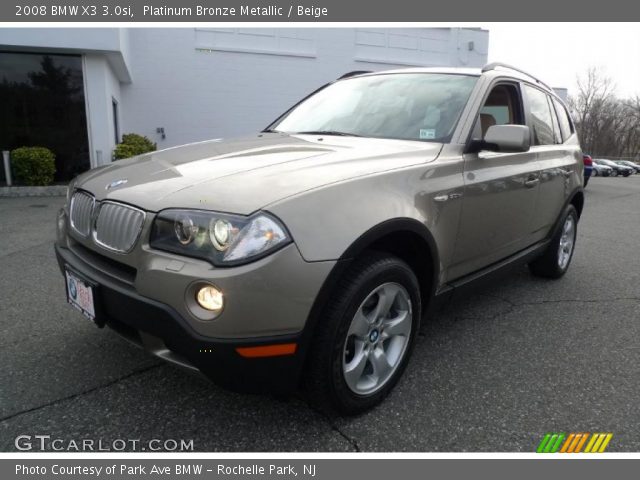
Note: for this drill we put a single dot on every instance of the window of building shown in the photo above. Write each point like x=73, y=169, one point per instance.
x=116, y=125
x=42, y=101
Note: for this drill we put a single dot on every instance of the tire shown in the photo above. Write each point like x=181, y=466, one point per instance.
x=594, y=173
x=342, y=344
x=555, y=261
x=614, y=173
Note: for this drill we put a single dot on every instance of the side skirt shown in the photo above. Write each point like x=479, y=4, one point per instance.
x=486, y=275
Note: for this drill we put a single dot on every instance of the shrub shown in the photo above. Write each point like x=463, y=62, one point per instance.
x=133, y=144
x=33, y=166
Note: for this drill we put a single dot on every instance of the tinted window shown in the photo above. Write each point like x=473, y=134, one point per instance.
x=502, y=107
x=42, y=99
x=557, y=137
x=416, y=106
x=542, y=123
x=565, y=124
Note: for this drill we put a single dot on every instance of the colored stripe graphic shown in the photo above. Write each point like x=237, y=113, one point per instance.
x=605, y=443
x=567, y=443
x=581, y=442
x=550, y=443
x=556, y=446
x=591, y=442
x=543, y=443
x=574, y=442
x=598, y=443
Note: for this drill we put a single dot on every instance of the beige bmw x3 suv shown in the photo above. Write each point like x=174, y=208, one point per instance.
x=309, y=253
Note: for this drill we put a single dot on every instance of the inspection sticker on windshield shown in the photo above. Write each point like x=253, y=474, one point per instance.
x=427, y=134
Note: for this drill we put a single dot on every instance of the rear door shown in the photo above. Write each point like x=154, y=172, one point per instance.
x=555, y=155
x=500, y=190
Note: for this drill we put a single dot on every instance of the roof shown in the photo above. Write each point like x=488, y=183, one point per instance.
x=493, y=70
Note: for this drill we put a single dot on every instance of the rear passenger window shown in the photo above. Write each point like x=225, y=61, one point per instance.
x=563, y=116
x=542, y=123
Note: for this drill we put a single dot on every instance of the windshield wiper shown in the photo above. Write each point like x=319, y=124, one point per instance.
x=326, y=132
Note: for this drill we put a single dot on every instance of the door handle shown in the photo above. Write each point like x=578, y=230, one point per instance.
x=531, y=182
x=444, y=197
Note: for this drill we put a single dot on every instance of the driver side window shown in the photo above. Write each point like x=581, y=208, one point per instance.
x=502, y=107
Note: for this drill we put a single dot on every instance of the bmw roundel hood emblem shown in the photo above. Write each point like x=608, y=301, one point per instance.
x=115, y=184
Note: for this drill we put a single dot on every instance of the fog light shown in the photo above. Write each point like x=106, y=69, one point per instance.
x=210, y=298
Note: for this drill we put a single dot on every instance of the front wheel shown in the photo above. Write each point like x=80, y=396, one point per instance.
x=554, y=262
x=365, y=338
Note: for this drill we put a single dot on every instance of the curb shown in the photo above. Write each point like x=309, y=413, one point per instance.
x=50, y=191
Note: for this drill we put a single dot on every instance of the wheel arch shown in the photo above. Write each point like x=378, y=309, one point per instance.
x=401, y=237
x=577, y=200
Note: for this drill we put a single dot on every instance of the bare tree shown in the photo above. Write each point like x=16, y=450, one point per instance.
x=607, y=125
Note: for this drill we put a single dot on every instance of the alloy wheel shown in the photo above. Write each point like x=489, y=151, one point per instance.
x=377, y=338
x=567, y=241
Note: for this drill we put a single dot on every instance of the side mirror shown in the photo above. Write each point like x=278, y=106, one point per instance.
x=507, y=138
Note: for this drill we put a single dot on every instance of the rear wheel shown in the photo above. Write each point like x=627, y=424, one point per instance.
x=366, y=337
x=594, y=173
x=614, y=173
x=554, y=262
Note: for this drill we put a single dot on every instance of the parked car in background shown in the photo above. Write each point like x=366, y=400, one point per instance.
x=600, y=170
x=617, y=169
x=588, y=167
x=627, y=163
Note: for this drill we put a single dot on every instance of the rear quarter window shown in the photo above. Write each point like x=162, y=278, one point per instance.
x=566, y=127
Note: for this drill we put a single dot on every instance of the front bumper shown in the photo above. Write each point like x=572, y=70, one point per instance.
x=159, y=329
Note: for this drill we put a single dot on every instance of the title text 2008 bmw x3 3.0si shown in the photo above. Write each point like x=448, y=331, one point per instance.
x=308, y=253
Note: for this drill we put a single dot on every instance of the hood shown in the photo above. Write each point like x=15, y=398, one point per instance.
x=245, y=174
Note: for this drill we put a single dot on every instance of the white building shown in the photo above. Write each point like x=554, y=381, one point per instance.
x=191, y=84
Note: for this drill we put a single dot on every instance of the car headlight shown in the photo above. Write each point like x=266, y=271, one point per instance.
x=219, y=238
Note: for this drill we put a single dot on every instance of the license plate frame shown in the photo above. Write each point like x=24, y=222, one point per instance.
x=80, y=293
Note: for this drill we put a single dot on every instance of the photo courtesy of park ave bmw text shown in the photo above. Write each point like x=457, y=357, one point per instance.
x=315, y=239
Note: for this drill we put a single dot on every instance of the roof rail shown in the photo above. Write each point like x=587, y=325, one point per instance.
x=354, y=73
x=495, y=65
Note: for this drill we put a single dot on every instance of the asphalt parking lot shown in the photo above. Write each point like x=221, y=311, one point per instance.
x=493, y=371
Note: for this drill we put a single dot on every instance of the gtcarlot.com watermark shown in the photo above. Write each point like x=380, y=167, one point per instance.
x=47, y=443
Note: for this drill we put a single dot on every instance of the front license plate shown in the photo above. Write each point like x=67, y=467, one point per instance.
x=80, y=295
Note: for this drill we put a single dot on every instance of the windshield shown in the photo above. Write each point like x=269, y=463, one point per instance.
x=407, y=106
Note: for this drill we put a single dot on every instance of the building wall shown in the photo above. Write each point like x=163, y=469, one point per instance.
x=207, y=83
x=101, y=88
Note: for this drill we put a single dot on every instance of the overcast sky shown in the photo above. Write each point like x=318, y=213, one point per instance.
x=557, y=52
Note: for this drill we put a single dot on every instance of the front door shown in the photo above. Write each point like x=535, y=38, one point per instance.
x=500, y=191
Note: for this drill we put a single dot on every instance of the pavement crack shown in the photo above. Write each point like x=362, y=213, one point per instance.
x=578, y=300
x=562, y=300
x=352, y=441
x=80, y=394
